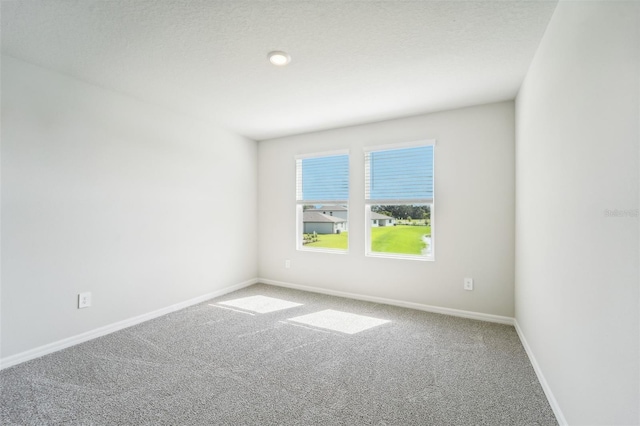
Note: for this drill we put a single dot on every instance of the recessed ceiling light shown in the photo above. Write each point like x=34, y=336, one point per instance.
x=279, y=58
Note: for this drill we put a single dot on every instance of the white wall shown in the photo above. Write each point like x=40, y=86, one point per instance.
x=106, y=194
x=576, y=157
x=474, y=212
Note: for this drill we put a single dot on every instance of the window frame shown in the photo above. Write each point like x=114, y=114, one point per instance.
x=301, y=203
x=368, y=203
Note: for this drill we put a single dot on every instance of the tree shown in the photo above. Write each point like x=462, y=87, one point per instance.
x=403, y=211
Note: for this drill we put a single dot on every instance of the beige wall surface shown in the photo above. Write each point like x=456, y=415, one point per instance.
x=474, y=212
x=101, y=193
x=577, y=211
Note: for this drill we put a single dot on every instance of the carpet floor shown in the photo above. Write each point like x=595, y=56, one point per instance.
x=322, y=360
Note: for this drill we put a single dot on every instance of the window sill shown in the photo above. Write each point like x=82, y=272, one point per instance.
x=401, y=256
x=321, y=250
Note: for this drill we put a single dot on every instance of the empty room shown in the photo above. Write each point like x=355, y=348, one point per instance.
x=320, y=212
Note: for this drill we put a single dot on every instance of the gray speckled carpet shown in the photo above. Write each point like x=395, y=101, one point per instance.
x=224, y=365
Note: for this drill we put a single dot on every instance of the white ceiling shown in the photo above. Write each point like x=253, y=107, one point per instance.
x=352, y=61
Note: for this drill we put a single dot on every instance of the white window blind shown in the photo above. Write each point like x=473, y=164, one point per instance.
x=322, y=179
x=399, y=175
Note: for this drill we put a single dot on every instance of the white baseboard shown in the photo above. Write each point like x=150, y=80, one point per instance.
x=107, y=329
x=418, y=306
x=543, y=382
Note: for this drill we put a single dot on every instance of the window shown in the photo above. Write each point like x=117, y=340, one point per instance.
x=399, y=201
x=322, y=196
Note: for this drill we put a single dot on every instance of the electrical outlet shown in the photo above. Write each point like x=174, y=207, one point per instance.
x=84, y=300
x=468, y=283
x=287, y=264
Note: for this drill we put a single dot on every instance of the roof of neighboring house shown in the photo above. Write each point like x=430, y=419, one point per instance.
x=377, y=216
x=329, y=209
x=319, y=217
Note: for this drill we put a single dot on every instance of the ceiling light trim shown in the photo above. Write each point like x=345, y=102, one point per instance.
x=279, y=58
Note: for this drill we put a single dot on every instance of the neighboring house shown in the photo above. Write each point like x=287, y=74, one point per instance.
x=336, y=211
x=319, y=223
x=378, y=219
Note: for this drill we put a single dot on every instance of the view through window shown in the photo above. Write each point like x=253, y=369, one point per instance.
x=401, y=229
x=322, y=183
x=399, y=201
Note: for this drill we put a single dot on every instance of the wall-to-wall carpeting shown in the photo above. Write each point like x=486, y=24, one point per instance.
x=221, y=364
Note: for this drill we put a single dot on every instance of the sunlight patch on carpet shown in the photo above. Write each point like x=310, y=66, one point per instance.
x=343, y=322
x=260, y=304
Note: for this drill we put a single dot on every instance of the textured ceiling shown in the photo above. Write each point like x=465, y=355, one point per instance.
x=352, y=61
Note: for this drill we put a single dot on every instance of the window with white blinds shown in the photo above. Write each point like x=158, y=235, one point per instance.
x=322, y=179
x=322, y=197
x=401, y=175
x=399, y=200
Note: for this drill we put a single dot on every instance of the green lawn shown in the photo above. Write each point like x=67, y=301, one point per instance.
x=388, y=239
x=399, y=239
x=332, y=241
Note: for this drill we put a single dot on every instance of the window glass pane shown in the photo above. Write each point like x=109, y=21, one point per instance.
x=322, y=194
x=325, y=226
x=401, y=229
x=324, y=178
x=400, y=174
